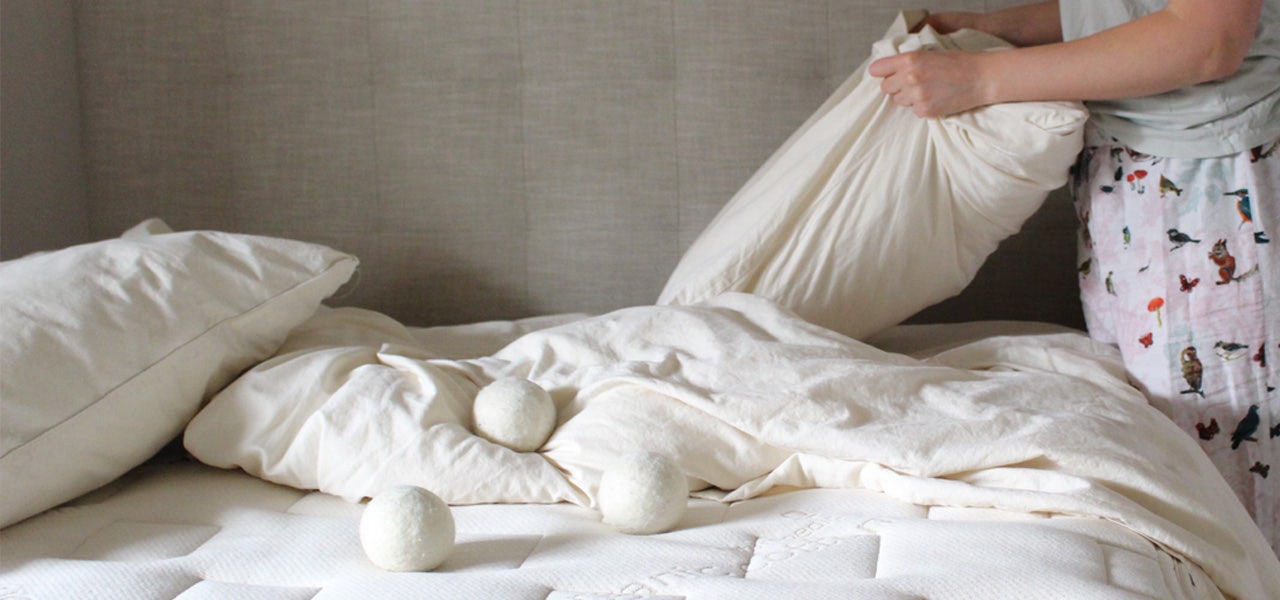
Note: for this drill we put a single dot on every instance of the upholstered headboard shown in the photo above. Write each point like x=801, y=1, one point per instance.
x=485, y=158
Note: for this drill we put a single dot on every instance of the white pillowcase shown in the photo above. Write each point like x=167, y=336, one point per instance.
x=868, y=214
x=108, y=349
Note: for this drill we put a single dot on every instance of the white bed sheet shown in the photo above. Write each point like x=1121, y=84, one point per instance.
x=189, y=531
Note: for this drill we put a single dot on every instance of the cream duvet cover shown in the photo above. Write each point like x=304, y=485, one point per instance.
x=747, y=398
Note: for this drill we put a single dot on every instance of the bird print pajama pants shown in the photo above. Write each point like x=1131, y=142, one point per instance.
x=1178, y=269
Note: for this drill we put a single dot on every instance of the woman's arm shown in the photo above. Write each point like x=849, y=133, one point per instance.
x=1187, y=42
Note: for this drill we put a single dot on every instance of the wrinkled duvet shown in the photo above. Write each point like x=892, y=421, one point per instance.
x=747, y=398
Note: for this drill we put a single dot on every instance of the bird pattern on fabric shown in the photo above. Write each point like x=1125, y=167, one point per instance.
x=1192, y=371
x=1222, y=264
x=1247, y=428
x=1177, y=269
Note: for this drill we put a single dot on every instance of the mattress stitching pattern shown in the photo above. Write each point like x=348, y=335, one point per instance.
x=239, y=538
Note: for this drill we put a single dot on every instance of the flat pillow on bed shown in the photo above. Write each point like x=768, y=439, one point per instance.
x=108, y=349
x=869, y=214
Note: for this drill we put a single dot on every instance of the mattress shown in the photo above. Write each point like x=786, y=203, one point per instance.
x=985, y=460
x=186, y=530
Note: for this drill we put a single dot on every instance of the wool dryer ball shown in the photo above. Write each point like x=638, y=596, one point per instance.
x=407, y=528
x=643, y=493
x=516, y=413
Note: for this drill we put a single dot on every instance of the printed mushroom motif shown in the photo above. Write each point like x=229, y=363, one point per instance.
x=1136, y=182
x=1154, y=306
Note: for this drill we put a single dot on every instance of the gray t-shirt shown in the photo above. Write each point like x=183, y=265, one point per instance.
x=1216, y=118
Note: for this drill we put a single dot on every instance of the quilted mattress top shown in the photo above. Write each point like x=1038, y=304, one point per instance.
x=185, y=530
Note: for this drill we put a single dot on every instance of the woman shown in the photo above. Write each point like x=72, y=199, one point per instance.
x=1178, y=191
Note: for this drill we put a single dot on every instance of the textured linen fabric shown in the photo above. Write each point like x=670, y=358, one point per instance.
x=1216, y=118
x=1178, y=269
x=108, y=349
x=869, y=214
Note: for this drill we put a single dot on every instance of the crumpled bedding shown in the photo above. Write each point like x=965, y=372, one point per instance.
x=747, y=398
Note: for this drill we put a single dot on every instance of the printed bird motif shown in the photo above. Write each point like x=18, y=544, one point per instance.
x=1085, y=267
x=1257, y=153
x=1187, y=284
x=1243, y=205
x=1246, y=428
x=1230, y=350
x=1260, y=469
x=1127, y=236
x=1086, y=236
x=1260, y=356
x=1136, y=156
x=1192, y=371
x=1260, y=237
x=1166, y=186
x=1180, y=239
x=1111, y=285
x=1208, y=431
x=1275, y=430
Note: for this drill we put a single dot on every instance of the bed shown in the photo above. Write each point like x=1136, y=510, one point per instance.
x=206, y=412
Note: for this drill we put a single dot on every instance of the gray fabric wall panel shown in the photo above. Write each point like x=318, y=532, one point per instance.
x=157, y=148
x=153, y=41
x=600, y=155
x=298, y=41
x=43, y=184
x=590, y=269
x=600, y=169
x=726, y=129
x=302, y=165
x=450, y=156
x=752, y=40
x=414, y=41
x=571, y=40
x=447, y=276
x=484, y=158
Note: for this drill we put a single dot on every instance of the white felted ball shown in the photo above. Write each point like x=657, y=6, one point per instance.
x=516, y=413
x=407, y=528
x=643, y=493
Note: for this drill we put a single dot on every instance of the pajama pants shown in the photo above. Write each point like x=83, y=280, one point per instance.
x=1178, y=269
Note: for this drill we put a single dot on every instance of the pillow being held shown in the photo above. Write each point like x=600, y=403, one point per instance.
x=868, y=214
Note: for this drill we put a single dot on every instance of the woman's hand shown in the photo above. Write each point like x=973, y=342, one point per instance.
x=932, y=83
x=940, y=83
x=1185, y=43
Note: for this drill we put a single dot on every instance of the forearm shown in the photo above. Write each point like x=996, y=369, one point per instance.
x=1185, y=44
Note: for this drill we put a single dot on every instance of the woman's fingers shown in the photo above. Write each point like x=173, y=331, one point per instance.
x=897, y=80
x=933, y=83
x=884, y=67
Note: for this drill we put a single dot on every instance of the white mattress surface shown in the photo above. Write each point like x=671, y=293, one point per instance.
x=185, y=530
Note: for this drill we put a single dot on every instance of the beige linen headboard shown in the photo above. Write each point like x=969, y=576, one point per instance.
x=485, y=158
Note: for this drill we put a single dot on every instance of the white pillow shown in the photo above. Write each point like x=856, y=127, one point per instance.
x=868, y=214
x=108, y=349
